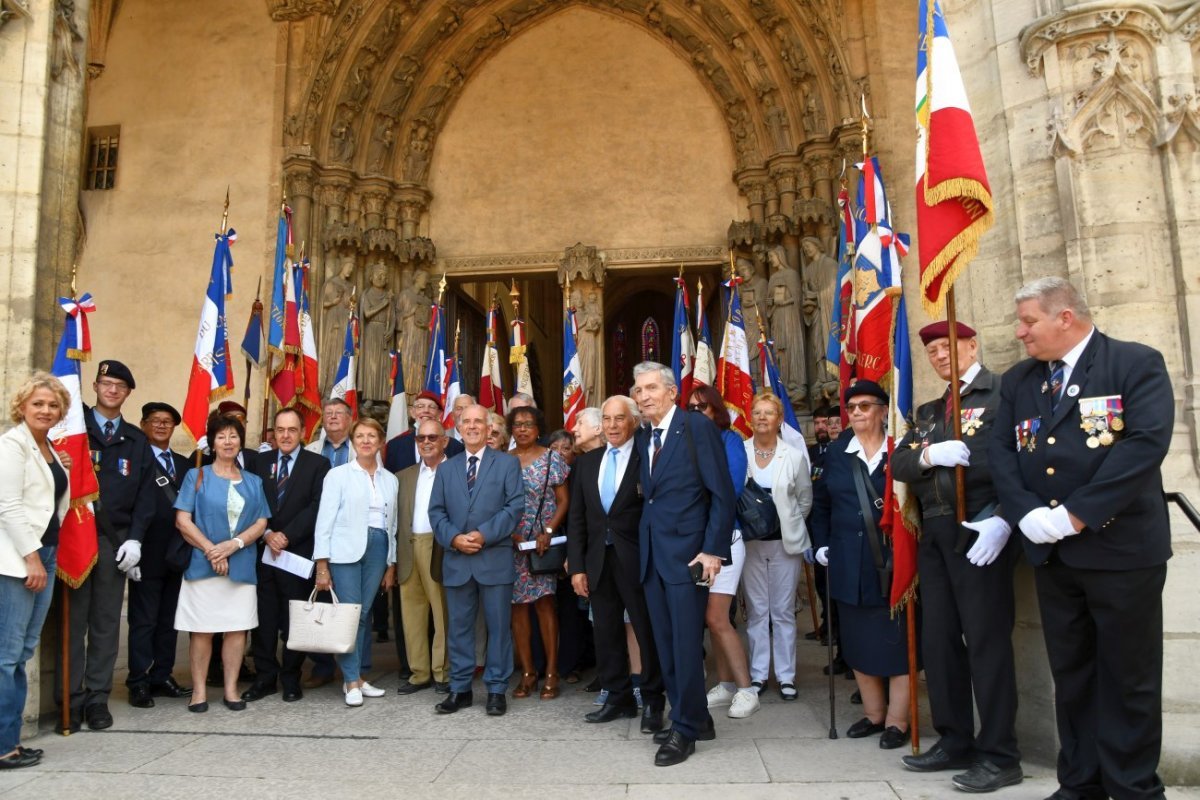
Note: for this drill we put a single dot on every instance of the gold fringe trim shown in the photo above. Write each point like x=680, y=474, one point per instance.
x=949, y=264
x=906, y=598
x=79, y=355
x=75, y=583
x=80, y=502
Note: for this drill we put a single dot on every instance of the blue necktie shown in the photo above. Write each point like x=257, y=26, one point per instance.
x=1057, y=371
x=657, y=432
x=109, y=429
x=168, y=464
x=281, y=479
x=471, y=462
x=608, y=487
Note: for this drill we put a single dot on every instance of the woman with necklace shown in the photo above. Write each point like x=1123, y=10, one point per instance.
x=773, y=562
x=221, y=512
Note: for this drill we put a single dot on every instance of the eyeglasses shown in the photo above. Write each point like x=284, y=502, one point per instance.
x=863, y=407
x=120, y=386
x=428, y=437
x=697, y=406
x=526, y=424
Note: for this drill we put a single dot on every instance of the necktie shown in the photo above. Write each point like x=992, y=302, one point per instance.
x=657, y=432
x=608, y=486
x=471, y=462
x=281, y=479
x=168, y=464
x=1057, y=372
x=950, y=405
x=109, y=429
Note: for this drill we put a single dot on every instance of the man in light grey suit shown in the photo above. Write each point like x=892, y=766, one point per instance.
x=476, y=501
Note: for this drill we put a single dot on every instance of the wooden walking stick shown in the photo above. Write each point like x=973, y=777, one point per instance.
x=829, y=652
x=65, y=644
x=812, y=598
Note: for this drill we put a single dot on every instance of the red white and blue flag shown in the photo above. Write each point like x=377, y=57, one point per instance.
x=343, y=380
x=574, y=397
x=212, y=372
x=440, y=364
x=733, y=367
x=900, y=519
x=954, y=200
x=77, y=543
x=770, y=379
x=398, y=411
x=491, y=385
x=516, y=357
x=683, y=346
x=283, y=330
x=308, y=393
x=843, y=339
x=704, y=371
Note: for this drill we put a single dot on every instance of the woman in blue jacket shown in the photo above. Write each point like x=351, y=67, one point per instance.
x=873, y=642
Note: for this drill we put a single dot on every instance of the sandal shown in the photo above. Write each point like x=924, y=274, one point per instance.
x=526, y=686
x=550, y=690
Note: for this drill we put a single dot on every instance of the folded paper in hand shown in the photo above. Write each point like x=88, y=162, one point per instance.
x=289, y=562
x=532, y=544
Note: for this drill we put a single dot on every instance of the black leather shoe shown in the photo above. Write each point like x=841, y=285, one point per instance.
x=98, y=717
x=198, y=708
x=454, y=701
x=935, y=760
x=707, y=733
x=18, y=760
x=139, y=696
x=32, y=751
x=257, y=692
x=892, y=738
x=496, y=704
x=864, y=727
x=660, y=737
x=652, y=717
x=609, y=712
x=441, y=687
x=292, y=695
x=234, y=705
x=856, y=698
x=408, y=687
x=984, y=776
x=675, y=750
x=169, y=688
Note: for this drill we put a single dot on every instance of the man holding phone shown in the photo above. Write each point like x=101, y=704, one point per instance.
x=685, y=529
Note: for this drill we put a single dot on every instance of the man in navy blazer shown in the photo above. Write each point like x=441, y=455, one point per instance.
x=1080, y=436
x=687, y=518
x=476, y=501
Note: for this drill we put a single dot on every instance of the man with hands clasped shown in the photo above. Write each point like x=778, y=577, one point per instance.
x=966, y=573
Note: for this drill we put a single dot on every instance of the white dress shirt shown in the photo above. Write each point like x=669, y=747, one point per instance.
x=623, y=454
x=964, y=381
x=855, y=446
x=420, y=520
x=376, y=513
x=665, y=427
x=1072, y=357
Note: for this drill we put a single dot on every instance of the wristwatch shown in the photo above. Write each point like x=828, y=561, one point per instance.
x=549, y=530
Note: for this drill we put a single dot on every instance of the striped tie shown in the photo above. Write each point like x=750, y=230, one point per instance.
x=1057, y=372
x=657, y=432
x=282, y=478
x=471, y=462
x=168, y=464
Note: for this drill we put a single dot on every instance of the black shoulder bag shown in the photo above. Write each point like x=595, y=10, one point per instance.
x=554, y=559
x=757, y=513
x=869, y=502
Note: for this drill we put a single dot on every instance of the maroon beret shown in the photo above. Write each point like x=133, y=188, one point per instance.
x=231, y=407
x=941, y=330
x=428, y=395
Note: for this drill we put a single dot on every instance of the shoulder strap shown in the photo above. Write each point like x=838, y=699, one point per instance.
x=869, y=502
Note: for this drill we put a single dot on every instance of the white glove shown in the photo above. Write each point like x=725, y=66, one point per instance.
x=128, y=555
x=1037, y=527
x=993, y=535
x=1060, y=520
x=948, y=454
x=823, y=556
x=135, y=574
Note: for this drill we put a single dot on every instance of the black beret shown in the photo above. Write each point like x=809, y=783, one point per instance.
x=150, y=408
x=869, y=388
x=115, y=370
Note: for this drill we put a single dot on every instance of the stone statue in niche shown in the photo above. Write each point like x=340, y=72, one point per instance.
x=784, y=296
x=382, y=139
x=335, y=313
x=412, y=328
x=793, y=55
x=754, y=309
x=402, y=79
x=814, y=117
x=820, y=279
x=360, y=80
x=777, y=122
x=416, y=156
x=741, y=127
x=753, y=65
x=378, y=314
x=341, y=136
x=589, y=320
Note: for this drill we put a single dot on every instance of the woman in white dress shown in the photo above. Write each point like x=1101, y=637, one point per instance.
x=221, y=511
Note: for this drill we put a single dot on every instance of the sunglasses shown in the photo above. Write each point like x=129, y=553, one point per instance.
x=697, y=406
x=428, y=437
x=864, y=406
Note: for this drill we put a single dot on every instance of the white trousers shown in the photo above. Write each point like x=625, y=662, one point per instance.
x=769, y=581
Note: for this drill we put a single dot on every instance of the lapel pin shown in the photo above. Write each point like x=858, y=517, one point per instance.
x=1073, y=390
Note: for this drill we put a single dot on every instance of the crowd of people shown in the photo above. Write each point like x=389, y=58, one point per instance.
x=492, y=544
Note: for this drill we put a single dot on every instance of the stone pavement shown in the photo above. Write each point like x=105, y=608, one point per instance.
x=399, y=747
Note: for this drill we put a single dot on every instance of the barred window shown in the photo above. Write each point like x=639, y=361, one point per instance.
x=102, y=157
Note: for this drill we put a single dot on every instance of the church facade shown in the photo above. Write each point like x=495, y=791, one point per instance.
x=530, y=153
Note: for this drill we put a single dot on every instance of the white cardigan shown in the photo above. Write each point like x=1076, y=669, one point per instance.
x=792, y=493
x=341, y=532
x=26, y=499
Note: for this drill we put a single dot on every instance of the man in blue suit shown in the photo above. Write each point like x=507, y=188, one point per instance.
x=476, y=501
x=687, y=518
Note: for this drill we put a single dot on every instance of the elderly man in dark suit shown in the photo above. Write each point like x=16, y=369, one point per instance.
x=687, y=520
x=292, y=479
x=603, y=558
x=402, y=452
x=476, y=501
x=154, y=583
x=1081, y=433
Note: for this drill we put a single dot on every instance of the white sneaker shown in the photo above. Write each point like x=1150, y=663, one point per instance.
x=719, y=696
x=354, y=697
x=745, y=703
x=371, y=691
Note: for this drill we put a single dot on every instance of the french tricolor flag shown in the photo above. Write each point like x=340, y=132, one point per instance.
x=343, y=381
x=733, y=367
x=704, y=369
x=683, y=350
x=954, y=200
x=398, y=411
x=212, y=374
x=491, y=385
x=573, y=394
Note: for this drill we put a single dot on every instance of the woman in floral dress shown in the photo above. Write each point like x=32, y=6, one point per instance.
x=544, y=473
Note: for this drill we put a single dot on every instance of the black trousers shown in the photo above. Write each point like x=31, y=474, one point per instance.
x=275, y=589
x=1104, y=637
x=966, y=642
x=619, y=591
x=152, y=636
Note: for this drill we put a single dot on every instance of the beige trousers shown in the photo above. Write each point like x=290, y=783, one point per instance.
x=420, y=594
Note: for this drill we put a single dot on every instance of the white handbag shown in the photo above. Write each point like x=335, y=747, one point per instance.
x=322, y=627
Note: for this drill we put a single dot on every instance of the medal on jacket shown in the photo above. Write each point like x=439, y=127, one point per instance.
x=123, y=467
x=1027, y=434
x=1101, y=419
x=972, y=420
